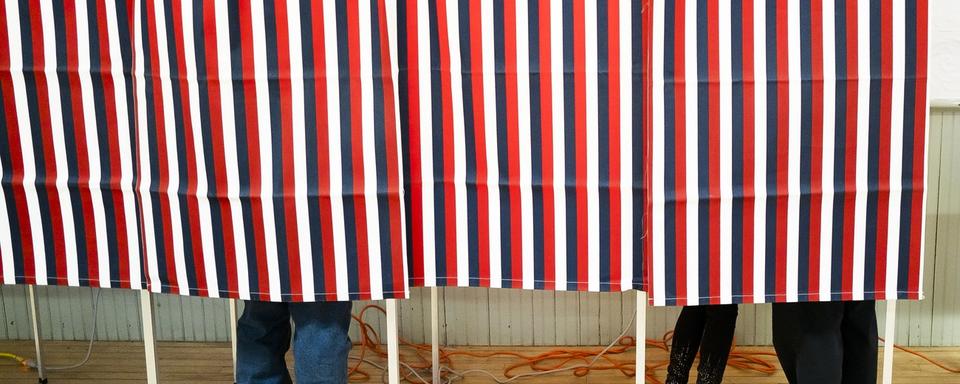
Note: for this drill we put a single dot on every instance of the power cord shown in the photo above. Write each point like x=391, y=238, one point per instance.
x=31, y=363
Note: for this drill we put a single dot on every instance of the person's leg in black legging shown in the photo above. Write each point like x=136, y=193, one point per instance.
x=715, y=344
x=709, y=330
x=808, y=340
x=859, y=342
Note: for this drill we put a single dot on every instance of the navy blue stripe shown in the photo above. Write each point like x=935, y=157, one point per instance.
x=603, y=139
x=216, y=216
x=125, y=33
x=771, y=155
x=33, y=105
x=178, y=114
x=910, y=94
x=569, y=147
x=276, y=142
x=806, y=150
x=536, y=146
x=379, y=132
x=738, y=163
x=669, y=152
x=243, y=149
x=873, y=154
x=346, y=148
x=639, y=150
x=439, y=180
x=310, y=120
x=502, y=158
x=403, y=84
x=840, y=124
x=470, y=142
x=703, y=152
x=155, y=196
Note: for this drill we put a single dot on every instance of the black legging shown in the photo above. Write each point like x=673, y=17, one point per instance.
x=708, y=329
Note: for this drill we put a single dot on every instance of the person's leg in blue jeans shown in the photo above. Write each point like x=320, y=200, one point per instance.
x=321, y=344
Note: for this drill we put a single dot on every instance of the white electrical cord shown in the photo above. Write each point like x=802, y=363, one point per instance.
x=93, y=337
x=462, y=374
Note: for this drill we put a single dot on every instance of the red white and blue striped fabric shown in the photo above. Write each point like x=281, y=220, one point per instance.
x=522, y=146
x=68, y=212
x=269, y=162
x=788, y=159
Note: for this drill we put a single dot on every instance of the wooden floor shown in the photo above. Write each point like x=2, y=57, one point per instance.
x=122, y=362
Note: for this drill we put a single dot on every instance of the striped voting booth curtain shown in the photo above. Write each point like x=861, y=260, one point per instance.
x=788, y=154
x=68, y=210
x=522, y=143
x=269, y=162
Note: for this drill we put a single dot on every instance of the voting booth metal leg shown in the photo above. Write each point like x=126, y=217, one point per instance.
x=435, y=334
x=35, y=322
x=641, y=337
x=888, y=336
x=149, y=337
x=393, y=343
x=232, y=303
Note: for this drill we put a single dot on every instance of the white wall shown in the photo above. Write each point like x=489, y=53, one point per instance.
x=945, y=50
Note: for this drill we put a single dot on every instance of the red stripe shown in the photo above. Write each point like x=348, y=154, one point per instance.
x=580, y=135
x=253, y=149
x=286, y=129
x=416, y=172
x=546, y=146
x=850, y=162
x=613, y=25
x=363, y=262
x=80, y=135
x=680, y=157
x=749, y=147
x=46, y=130
x=713, y=152
x=476, y=83
x=816, y=150
x=783, y=147
x=513, y=138
x=393, y=167
x=446, y=105
x=216, y=132
x=883, y=192
x=112, y=147
x=919, y=144
x=192, y=209
x=15, y=168
x=323, y=144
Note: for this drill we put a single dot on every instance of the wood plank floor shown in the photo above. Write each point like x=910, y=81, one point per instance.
x=122, y=362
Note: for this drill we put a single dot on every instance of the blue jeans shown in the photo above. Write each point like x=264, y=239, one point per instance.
x=320, y=345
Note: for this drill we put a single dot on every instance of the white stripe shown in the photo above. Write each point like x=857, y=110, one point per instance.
x=93, y=142
x=559, y=162
x=336, y=180
x=230, y=147
x=203, y=201
x=926, y=157
x=863, y=132
x=896, y=148
x=626, y=146
x=126, y=147
x=691, y=128
x=298, y=129
x=459, y=144
x=490, y=121
x=793, y=167
x=726, y=152
x=149, y=233
x=525, y=143
x=829, y=136
x=426, y=147
x=170, y=129
x=593, y=145
x=760, y=150
x=369, y=152
x=656, y=228
x=266, y=193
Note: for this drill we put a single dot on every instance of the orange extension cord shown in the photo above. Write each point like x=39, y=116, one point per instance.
x=419, y=358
